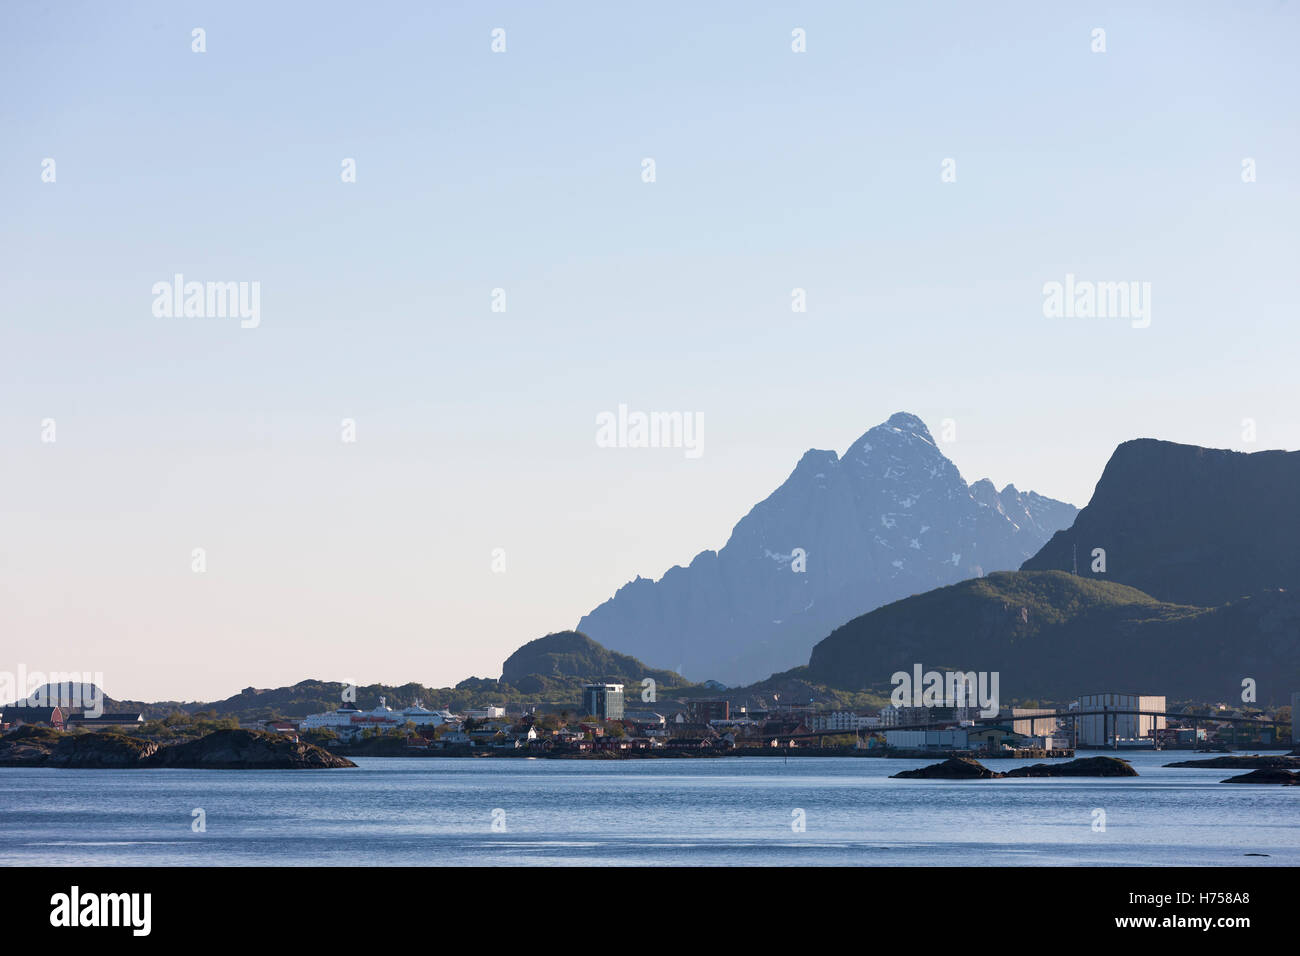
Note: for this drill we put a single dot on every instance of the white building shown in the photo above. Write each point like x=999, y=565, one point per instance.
x=1100, y=727
x=843, y=721
x=349, y=721
x=334, y=719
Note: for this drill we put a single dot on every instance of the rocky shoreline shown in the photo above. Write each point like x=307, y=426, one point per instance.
x=221, y=750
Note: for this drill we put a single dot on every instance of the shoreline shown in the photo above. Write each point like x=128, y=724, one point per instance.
x=770, y=753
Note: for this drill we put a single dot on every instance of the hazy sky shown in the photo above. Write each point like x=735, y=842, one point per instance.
x=522, y=171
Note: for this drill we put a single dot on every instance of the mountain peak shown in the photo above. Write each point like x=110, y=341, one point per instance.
x=908, y=423
x=838, y=537
x=900, y=427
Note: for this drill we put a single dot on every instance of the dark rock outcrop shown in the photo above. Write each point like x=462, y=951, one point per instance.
x=1268, y=775
x=1243, y=762
x=1083, y=767
x=246, y=750
x=101, y=751
x=964, y=768
x=954, y=768
x=225, y=749
x=30, y=746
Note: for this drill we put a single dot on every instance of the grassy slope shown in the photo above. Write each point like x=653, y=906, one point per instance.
x=1048, y=633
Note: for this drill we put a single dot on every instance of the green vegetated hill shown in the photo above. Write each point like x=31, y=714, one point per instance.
x=563, y=662
x=1055, y=635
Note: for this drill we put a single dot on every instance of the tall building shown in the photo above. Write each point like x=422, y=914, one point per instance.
x=1101, y=728
x=603, y=700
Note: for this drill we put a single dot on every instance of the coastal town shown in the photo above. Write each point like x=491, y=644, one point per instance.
x=602, y=725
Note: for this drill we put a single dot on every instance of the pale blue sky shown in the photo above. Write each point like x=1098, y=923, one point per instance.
x=521, y=170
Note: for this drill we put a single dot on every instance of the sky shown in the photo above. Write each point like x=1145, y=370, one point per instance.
x=524, y=171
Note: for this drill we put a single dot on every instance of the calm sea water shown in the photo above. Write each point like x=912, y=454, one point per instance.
x=440, y=811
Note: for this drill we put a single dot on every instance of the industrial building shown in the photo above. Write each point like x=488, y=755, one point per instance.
x=1111, y=719
x=1030, y=721
x=844, y=721
x=955, y=739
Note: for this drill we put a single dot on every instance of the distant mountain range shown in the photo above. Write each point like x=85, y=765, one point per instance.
x=1201, y=589
x=890, y=518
